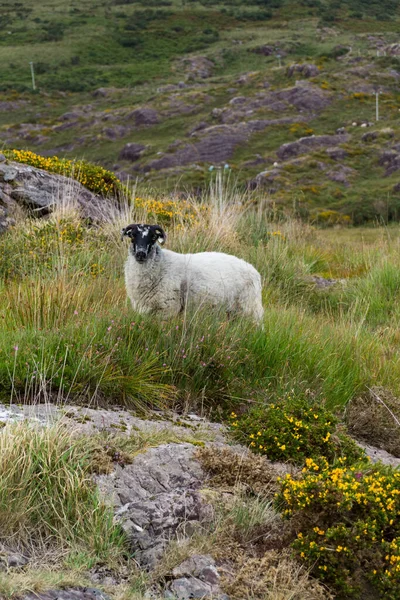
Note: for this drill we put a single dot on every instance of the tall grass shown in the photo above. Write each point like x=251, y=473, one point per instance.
x=47, y=496
x=67, y=330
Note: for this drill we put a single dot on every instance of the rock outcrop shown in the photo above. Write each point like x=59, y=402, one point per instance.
x=309, y=144
x=40, y=192
x=155, y=496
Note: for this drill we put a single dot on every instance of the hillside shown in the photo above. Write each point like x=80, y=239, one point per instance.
x=282, y=93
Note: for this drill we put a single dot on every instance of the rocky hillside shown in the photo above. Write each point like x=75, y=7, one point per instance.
x=279, y=94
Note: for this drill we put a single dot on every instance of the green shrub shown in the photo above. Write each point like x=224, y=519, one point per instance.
x=347, y=520
x=293, y=430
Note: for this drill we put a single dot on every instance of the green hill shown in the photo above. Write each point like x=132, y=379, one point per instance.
x=163, y=91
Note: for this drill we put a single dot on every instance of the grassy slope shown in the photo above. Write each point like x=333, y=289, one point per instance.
x=78, y=48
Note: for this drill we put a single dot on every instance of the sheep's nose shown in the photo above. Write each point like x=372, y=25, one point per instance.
x=141, y=255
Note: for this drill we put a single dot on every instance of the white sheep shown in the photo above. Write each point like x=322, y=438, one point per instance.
x=165, y=282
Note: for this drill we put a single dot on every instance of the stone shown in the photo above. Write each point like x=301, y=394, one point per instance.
x=340, y=174
x=306, y=70
x=336, y=153
x=267, y=50
x=309, y=144
x=131, y=151
x=2, y=157
x=155, y=497
x=144, y=116
x=75, y=593
x=12, y=560
x=213, y=145
x=187, y=588
x=197, y=67
x=200, y=566
x=390, y=159
x=40, y=191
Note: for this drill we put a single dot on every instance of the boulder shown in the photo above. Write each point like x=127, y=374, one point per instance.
x=306, y=70
x=144, y=116
x=390, y=159
x=197, y=67
x=340, y=174
x=213, y=145
x=155, y=497
x=131, y=152
x=40, y=192
x=267, y=50
x=336, y=153
x=309, y=144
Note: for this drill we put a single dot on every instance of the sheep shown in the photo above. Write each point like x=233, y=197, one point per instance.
x=165, y=282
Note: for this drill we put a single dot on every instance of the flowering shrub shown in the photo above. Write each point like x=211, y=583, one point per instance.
x=292, y=430
x=168, y=210
x=348, y=516
x=300, y=129
x=94, y=178
x=40, y=245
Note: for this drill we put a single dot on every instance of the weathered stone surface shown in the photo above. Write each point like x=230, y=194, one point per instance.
x=213, y=145
x=155, y=496
x=187, y=588
x=131, y=151
x=76, y=593
x=144, y=116
x=200, y=566
x=304, y=97
x=12, y=560
x=197, y=67
x=340, y=174
x=88, y=421
x=377, y=454
x=306, y=70
x=41, y=192
x=390, y=159
x=336, y=153
x=309, y=144
x=267, y=50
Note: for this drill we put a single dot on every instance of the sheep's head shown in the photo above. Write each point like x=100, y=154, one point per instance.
x=144, y=239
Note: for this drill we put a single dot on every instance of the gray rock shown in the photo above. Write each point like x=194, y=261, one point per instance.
x=267, y=50
x=156, y=496
x=200, y=566
x=309, y=144
x=306, y=70
x=8, y=173
x=12, y=560
x=336, y=153
x=213, y=145
x=379, y=455
x=197, y=67
x=41, y=191
x=390, y=159
x=2, y=157
x=144, y=116
x=340, y=174
x=76, y=593
x=131, y=151
x=189, y=587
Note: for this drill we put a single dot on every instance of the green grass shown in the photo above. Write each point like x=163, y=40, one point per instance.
x=47, y=497
x=68, y=329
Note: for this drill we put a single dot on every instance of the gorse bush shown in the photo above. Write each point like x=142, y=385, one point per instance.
x=95, y=178
x=347, y=520
x=293, y=430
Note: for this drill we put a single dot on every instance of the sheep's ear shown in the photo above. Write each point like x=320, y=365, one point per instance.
x=162, y=237
x=128, y=231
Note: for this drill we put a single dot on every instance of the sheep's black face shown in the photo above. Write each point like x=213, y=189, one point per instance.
x=144, y=239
